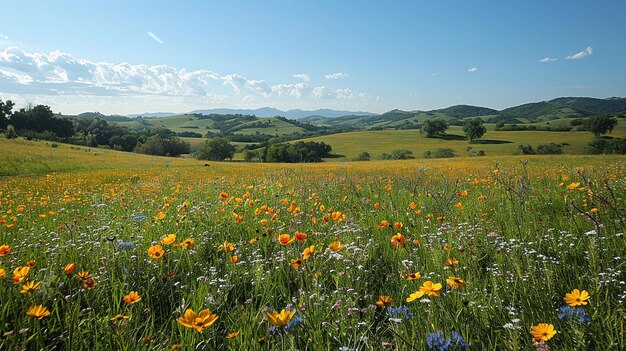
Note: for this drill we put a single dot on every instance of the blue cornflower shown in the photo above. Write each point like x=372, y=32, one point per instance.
x=436, y=341
x=397, y=314
x=574, y=314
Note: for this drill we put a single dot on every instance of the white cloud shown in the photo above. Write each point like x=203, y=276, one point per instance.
x=3, y=37
x=434, y=74
x=303, y=76
x=61, y=74
x=153, y=36
x=472, y=70
x=588, y=51
x=547, y=59
x=339, y=75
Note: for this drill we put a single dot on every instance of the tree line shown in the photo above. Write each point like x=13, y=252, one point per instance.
x=39, y=122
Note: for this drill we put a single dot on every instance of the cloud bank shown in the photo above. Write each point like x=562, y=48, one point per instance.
x=61, y=74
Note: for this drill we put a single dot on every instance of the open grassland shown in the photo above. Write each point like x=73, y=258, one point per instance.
x=493, y=143
x=406, y=255
x=22, y=157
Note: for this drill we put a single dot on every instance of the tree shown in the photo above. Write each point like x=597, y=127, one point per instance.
x=39, y=119
x=474, y=129
x=600, y=125
x=163, y=146
x=215, y=149
x=434, y=127
x=5, y=113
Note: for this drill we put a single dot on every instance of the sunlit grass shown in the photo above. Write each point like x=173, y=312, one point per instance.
x=520, y=232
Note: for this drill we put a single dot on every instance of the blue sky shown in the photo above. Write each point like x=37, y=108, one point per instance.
x=147, y=56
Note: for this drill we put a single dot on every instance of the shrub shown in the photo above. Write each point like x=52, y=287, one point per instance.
x=608, y=146
x=443, y=153
x=526, y=149
x=363, y=156
x=550, y=149
x=401, y=154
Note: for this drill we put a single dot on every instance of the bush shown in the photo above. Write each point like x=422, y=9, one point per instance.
x=549, y=149
x=401, y=154
x=526, y=149
x=608, y=146
x=10, y=132
x=443, y=153
x=364, y=156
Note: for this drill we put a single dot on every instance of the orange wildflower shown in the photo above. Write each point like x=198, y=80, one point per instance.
x=398, y=240
x=156, y=251
x=308, y=252
x=384, y=301
x=286, y=239
x=5, y=250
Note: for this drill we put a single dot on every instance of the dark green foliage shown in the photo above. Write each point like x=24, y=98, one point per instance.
x=111, y=118
x=39, y=119
x=6, y=110
x=297, y=152
x=592, y=105
x=600, y=125
x=464, y=111
x=126, y=142
x=189, y=135
x=163, y=146
x=10, y=132
x=532, y=111
x=363, y=156
x=474, y=129
x=443, y=153
x=526, y=149
x=215, y=149
x=549, y=149
x=434, y=127
x=608, y=146
x=401, y=154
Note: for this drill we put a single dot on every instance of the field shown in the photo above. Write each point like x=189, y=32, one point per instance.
x=494, y=143
x=123, y=251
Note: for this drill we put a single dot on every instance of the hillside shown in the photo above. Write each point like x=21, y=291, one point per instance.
x=565, y=107
x=237, y=127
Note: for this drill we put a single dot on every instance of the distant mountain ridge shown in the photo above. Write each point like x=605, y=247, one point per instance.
x=563, y=107
x=271, y=112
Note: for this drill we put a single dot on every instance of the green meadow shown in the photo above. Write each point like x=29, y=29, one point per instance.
x=106, y=250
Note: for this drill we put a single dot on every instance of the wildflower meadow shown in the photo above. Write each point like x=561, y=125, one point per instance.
x=503, y=254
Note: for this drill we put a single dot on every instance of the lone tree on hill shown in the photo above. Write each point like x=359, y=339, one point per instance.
x=434, y=127
x=216, y=149
x=600, y=125
x=474, y=129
